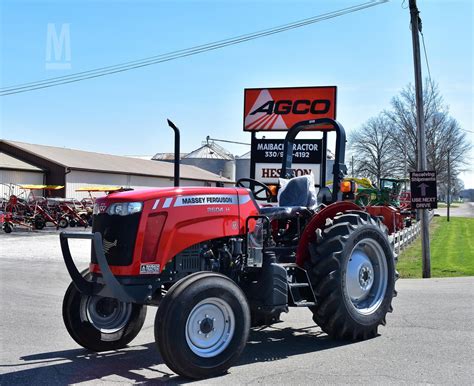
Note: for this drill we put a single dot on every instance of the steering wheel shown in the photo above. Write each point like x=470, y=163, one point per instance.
x=256, y=187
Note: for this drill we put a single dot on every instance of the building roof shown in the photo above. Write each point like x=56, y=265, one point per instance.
x=148, y=157
x=210, y=150
x=166, y=156
x=8, y=162
x=85, y=160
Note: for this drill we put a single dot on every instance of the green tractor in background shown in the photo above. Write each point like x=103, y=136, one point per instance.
x=388, y=193
x=392, y=192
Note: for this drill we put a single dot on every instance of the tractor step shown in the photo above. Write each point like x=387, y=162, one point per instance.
x=299, y=287
x=304, y=303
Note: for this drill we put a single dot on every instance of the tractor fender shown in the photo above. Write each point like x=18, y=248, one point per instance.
x=318, y=221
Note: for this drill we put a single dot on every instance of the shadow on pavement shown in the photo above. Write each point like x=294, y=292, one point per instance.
x=135, y=363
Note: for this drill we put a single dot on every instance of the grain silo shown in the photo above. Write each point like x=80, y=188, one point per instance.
x=242, y=166
x=213, y=158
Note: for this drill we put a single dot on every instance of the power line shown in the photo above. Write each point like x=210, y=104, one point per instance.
x=113, y=69
x=426, y=58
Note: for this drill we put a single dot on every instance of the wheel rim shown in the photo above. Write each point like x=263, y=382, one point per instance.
x=366, y=277
x=107, y=315
x=210, y=327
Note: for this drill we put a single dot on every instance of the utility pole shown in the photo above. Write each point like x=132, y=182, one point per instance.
x=449, y=186
x=420, y=137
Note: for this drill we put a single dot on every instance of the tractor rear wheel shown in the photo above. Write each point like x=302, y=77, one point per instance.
x=352, y=269
x=202, y=325
x=101, y=324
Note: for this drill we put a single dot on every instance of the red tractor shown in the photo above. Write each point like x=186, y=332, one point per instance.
x=216, y=263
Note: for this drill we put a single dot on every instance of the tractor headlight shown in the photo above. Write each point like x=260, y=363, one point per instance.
x=124, y=208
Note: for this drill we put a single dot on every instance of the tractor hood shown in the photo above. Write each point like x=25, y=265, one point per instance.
x=157, y=193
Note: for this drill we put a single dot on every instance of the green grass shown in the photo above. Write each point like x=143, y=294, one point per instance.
x=452, y=250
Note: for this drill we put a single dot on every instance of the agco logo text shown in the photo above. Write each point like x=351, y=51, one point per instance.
x=299, y=106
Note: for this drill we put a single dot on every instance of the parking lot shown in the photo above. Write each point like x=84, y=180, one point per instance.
x=428, y=339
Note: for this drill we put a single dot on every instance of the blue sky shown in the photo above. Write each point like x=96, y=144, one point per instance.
x=367, y=54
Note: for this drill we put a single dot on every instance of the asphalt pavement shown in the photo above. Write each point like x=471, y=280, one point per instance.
x=466, y=209
x=428, y=338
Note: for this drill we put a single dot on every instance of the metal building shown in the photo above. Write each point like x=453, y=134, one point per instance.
x=14, y=172
x=76, y=168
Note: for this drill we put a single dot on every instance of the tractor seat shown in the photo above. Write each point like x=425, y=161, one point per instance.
x=297, y=197
x=282, y=212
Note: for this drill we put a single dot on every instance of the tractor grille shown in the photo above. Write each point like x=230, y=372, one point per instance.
x=118, y=236
x=190, y=260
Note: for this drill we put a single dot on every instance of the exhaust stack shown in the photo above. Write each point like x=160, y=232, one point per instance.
x=176, y=152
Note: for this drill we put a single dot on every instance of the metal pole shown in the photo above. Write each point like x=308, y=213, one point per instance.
x=421, y=139
x=449, y=186
x=352, y=166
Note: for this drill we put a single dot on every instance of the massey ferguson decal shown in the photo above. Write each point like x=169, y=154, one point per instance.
x=202, y=199
x=278, y=109
x=214, y=199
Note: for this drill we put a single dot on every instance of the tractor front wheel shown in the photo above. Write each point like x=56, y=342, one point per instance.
x=353, y=274
x=101, y=324
x=202, y=325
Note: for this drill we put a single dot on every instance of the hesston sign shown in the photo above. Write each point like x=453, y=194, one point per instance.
x=278, y=109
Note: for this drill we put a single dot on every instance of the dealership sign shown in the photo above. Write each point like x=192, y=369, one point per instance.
x=278, y=109
x=268, y=173
x=268, y=154
x=271, y=150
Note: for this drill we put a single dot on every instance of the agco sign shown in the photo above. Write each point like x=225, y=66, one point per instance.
x=279, y=109
x=300, y=106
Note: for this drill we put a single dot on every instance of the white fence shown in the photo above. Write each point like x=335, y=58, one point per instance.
x=406, y=236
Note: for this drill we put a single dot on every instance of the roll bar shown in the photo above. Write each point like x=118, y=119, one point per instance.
x=339, y=169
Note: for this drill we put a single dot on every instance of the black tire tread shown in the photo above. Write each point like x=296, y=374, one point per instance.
x=166, y=317
x=92, y=342
x=324, y=271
